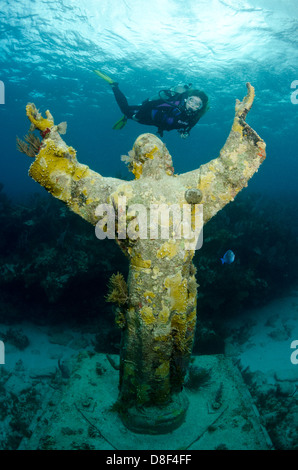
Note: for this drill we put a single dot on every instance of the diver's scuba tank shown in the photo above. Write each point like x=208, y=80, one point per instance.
x=167, y=95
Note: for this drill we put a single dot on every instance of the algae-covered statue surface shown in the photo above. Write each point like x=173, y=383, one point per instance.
x=157, y=307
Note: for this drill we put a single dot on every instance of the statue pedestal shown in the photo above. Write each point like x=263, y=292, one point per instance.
x=81, y=416
x=157, y=420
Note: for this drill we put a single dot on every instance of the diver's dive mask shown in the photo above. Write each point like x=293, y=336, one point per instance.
x=193, y=104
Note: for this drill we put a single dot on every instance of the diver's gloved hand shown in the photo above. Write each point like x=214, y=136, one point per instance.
x=184, y=135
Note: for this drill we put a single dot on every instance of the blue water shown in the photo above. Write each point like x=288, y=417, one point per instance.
x=48, y=51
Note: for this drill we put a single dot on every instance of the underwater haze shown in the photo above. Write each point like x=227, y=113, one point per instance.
x=49, y=51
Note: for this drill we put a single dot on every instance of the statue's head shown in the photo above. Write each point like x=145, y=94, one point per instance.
x=149, y=157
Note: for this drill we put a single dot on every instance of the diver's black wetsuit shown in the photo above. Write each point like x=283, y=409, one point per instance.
x=164, y=114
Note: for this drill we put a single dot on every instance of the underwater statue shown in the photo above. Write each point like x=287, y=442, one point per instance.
x=157, y=304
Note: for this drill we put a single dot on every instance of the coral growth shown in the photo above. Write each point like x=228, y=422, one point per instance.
x=118, y=291
x=31, y=148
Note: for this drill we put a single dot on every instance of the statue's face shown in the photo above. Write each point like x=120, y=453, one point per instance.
x=149, y=157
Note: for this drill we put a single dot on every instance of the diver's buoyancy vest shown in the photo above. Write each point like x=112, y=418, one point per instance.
x=168, y=106
x=167, y=114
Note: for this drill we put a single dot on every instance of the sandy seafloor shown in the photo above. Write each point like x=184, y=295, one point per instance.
x=269, y=334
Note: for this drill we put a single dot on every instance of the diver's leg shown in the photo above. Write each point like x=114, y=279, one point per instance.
x=126, y=109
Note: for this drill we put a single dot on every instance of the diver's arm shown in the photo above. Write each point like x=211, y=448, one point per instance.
x=185, y=131
x=56, y=169
x=222, y=179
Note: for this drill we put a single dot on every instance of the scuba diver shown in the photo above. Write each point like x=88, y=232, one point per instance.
x=178, y=108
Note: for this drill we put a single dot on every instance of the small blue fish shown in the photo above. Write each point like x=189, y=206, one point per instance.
x=228, y=257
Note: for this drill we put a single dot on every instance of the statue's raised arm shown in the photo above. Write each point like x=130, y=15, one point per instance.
x=221, y=179
x=57, y=169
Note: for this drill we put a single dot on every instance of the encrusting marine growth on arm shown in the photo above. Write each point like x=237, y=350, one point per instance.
x=157, y=309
